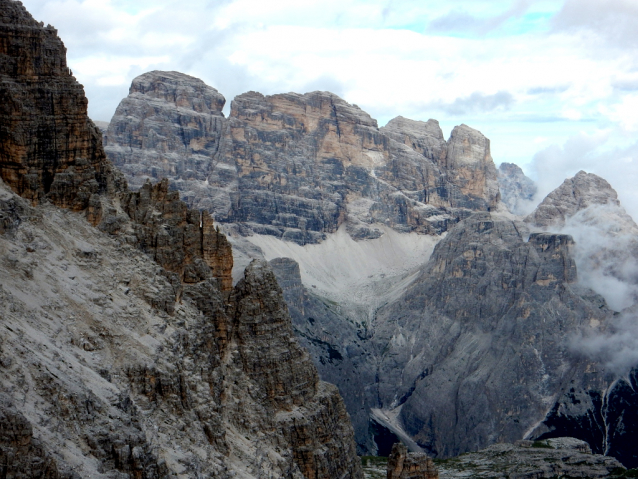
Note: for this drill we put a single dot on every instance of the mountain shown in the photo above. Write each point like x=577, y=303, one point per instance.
x=299, y=166
x=446, y=322
x=517, y=190
x=125, y=348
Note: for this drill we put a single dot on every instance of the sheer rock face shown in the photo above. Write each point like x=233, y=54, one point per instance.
x=110, y=383
x=574, y=195
x=49, y=148
x=170, y=125
x=480, y=339
x=410, y=465
x=517, y=190
x=298, y=166
x=470, y=167
x=423, y=137
x=308, y=163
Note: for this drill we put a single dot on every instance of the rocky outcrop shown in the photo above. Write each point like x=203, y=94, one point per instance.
x=410, y=465
x=109, y=382
x=114, y=365
x=587, y=208
x=181, y=240
x=298, y=166
x=337, y=346
x=23, y=456
x=574, y=195
x=49, y=148
x=517, y=190
x=170, y=126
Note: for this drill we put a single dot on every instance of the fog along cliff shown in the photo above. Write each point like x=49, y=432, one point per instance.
x=446, y=321
x=125, y=349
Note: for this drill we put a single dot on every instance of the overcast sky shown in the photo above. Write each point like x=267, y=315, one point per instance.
x=552, y=83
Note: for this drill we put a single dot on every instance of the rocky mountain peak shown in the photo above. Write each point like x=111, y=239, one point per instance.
x=183, y=90
x=64, y=162
x=574, y=195
x=426, y=137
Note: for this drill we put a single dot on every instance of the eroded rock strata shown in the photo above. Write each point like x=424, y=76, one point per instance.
x=49, y=148
x=299, y=166
x=410, y=465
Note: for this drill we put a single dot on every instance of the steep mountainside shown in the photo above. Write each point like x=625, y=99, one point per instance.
x=125, y=350
x=299, y=166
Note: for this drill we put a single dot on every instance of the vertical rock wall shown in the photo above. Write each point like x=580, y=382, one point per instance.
x=49, y=148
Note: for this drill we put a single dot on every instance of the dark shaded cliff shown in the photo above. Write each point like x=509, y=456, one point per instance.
x=49, y=148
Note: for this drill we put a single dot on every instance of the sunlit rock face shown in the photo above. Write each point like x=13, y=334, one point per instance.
x=299, y=166
x=49, y=148
x=450, y=350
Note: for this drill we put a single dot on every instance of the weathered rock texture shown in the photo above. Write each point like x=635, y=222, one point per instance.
x=49, y=148
x=475, y=350
x=182, y=240
x=109, y=382
x=479, y=339
x=587, y=207
x=113, y=365
x=410, y=465
x=170, y=126
x=517, y=190
x=298, y=166
x=574, y=195
x=338, y=347
x=563, y=457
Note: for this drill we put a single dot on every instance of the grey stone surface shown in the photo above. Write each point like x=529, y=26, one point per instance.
x=111, y=384
x=574, y=195
x=555, y=458
x=298, y=166
x=170, y=125
x=517, y=190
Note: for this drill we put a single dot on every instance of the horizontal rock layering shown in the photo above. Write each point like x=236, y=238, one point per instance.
x=299, y=166
x=49, y=148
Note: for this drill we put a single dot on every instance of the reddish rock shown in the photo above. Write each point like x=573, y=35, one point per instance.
x=49, y=148
x=410, y=465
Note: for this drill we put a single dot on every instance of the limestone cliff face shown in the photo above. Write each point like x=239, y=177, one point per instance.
x=182, y=240
x=299, y=166
x=107, y=382
x=480, y=339
x=170, y=125
x=49, y=148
